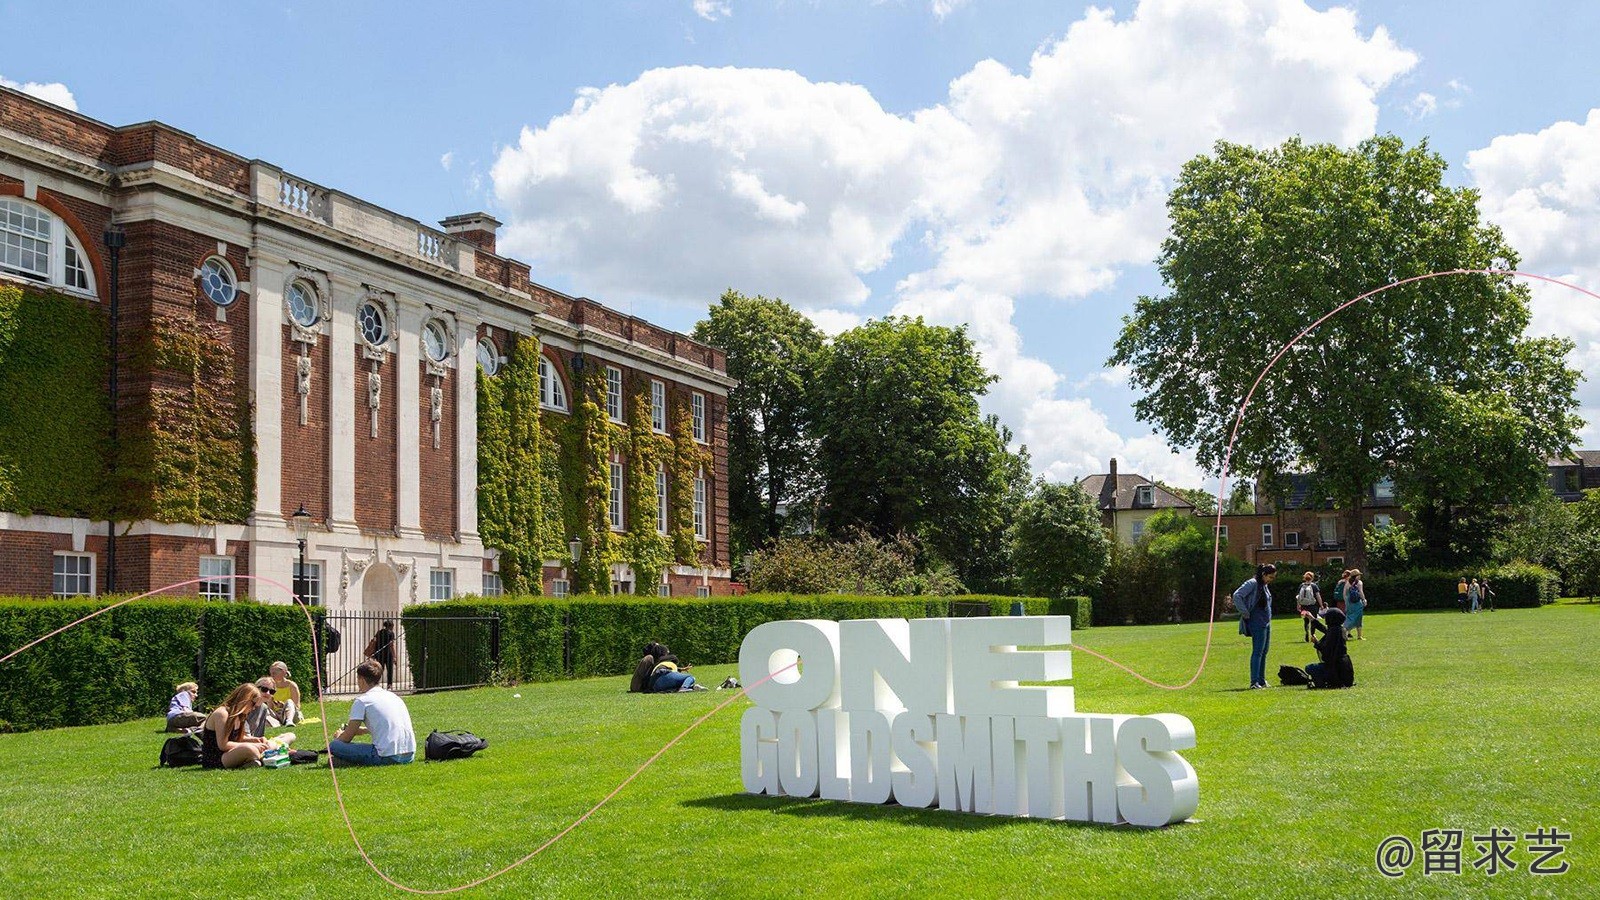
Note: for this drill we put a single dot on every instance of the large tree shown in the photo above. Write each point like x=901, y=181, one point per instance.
x=772, y=350
x=904, y=447
x=1431, y=383
x=1058, y=543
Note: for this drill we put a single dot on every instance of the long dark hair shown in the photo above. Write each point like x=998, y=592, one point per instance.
x=1262, y=571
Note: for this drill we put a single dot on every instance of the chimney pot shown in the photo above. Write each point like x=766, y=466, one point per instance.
x=477, y=228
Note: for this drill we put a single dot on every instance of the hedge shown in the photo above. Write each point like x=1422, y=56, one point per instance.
x=124, y=664
x=1515, y=585
x=543, y=638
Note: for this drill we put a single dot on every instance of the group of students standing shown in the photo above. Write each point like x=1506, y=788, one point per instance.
x=1475, y=596
x=1338, y=622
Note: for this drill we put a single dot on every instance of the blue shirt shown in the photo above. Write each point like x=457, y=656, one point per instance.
x=180, y=704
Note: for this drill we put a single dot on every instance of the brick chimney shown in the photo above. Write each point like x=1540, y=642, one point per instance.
x=1108, y=491
x=475, y=228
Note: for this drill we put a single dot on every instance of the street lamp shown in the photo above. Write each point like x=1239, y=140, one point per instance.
x=115, y=238
x=302, y=530
x=576, y=546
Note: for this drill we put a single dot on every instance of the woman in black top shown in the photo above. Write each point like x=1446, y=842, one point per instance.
x=224, y=743
x=381, y=648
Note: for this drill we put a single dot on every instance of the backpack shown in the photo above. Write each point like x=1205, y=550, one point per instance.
x=1293, y=675
x=183, y=750
x=330, y=638
x=443, y=745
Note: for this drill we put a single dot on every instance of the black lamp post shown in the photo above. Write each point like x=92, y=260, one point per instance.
x=115, y=239
x=302, y=529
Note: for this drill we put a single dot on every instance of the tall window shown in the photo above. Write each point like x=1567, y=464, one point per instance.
x=658, y=406
x=614, y=393
x=1383, y=491
x=661, y=498
x=492, y=585
x=560, y=587
x=441, y=584
x=216, y=573
x=552, y=394
x=1327, y=529
x=1222, y=533
x=1138, y=529
x=700, y=506
x=72, y=575
x=37, y=245
x=309, y=582
x=697, y=413
x=1266, y=534
x=616, y=496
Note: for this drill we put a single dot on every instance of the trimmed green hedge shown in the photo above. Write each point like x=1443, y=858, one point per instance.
x=1515, y=585
x=124, y=664
x=604, y=634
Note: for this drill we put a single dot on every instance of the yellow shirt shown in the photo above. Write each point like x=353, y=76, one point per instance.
x=1461, y=588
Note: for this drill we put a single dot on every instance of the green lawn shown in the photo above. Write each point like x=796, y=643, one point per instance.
x=1458, y=721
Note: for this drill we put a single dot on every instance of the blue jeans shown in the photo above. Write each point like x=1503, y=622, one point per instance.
x=1260, y=637
x=365, y=754
x=669, y=682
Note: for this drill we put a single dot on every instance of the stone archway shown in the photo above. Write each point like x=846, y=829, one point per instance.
x=380, y=590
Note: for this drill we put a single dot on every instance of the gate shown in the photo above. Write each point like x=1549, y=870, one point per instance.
x=419, y=653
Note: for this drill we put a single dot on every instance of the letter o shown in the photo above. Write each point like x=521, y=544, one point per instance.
x=773, y=646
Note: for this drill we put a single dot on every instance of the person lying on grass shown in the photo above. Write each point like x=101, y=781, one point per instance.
x=381, y=714
x=660, y=672
x=224, y=742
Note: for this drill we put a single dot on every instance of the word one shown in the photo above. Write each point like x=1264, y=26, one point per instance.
x=929, y=713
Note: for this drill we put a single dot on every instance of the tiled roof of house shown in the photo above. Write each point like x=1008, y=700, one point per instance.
x=1122, y=494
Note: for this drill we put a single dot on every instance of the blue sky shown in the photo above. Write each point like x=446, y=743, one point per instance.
x=999, y=163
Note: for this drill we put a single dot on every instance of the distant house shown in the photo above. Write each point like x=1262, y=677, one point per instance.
x=1126, y=501
x=1303, y=528
x=1569, y=478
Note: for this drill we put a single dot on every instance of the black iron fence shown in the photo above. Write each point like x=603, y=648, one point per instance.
x=418, y=653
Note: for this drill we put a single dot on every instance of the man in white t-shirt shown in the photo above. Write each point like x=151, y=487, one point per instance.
x=381, y=714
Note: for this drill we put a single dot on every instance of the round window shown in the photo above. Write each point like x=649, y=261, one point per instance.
x=302, y=302
x=373, y=323
x=488, y=357
x=435, y=342
x=216, y=280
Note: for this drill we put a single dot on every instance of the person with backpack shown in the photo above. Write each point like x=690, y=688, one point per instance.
x=224, y=742
x=381, y=714
x=1309, y=599
x=1355, y=600
x=1339, y=589
x=1253, y=600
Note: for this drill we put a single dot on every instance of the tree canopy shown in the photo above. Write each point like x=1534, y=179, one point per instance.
x=1058, y=545
x=1431, y=383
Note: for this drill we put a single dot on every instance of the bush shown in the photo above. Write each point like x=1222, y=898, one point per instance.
x=125, y=663
x=1514, y=585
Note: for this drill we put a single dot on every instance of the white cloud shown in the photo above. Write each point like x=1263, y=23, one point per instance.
x=54, y=92
x=447, y=160
x=712, y=10
x=833, y=321
x=1042, y=183
x=1543, y=190
x=1422, y=106
x=942, y=8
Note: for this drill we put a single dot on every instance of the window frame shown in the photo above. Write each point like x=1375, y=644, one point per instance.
x=56, y=575
x=616, y=500
x=499, y=589
x=1267, y=534
x=441, y=578
x=313, y=582
x=437, y=327
x=226, y=578
x=227, y=270
x=551, y=387
x=493, y=368
x=664, y=589
x=702, y=590
x=1222, y=533
x=383, y=320
x=560, y=587
x=1136, y=528
x=1291, y=540
x=702, y=529
x=658, y=406
x=310, y=292
x=56, y=245
x=1144, y=495
x=697, y=417
x=662, y=521
x=614, y=394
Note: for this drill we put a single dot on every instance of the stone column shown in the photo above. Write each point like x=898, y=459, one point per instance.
x=408, y=406
x=466, y=412
x=266, y=386
x=344, y=414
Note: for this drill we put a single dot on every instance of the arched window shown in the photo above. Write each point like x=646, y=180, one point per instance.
x=552, y=393
x=489, y=357
x=36, y=244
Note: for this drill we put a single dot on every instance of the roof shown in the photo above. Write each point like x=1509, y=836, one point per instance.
x=1123, y=494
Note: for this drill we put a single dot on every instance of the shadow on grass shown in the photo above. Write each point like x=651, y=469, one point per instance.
x=946, y=820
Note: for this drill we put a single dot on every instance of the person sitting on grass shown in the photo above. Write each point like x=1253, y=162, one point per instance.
x=1335, y=670
x=261, y=718
x=180, y=709
x=285, y=695
x=381, y=714
x=224, y=742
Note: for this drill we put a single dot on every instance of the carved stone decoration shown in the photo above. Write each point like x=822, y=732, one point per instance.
x=436, y=409
x=374, y=395
x=302, y=380
x=404, y=569
x=318, y=281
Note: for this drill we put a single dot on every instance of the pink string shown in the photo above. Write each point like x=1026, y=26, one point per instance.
x=338, y=793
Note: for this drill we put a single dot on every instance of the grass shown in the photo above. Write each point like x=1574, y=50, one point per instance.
x=1457, y=721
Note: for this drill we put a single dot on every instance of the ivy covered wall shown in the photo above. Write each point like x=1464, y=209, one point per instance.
x=545, y=477
x=55, y=425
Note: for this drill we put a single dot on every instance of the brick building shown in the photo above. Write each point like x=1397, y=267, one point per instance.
x=355, y=336
x=1304, y=529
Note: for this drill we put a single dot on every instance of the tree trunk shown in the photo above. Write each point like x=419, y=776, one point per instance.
x=1355, y=554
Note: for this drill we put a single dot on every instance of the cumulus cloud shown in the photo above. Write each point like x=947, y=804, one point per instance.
x=712, y=10
x=1022, y=186
x=942, y=8
x=54, y=92
x=1543, y=190
x=447, y=160
x=1423, y=105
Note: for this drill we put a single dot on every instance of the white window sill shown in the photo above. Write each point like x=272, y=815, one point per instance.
x=545, y=407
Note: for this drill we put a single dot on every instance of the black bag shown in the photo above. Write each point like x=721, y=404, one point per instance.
x=330, y=638
x=302, y=757
x=1293, y=675
x=442, y=745
x=183, y=750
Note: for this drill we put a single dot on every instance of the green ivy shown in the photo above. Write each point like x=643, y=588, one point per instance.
x=55, y=422
x=647, y=549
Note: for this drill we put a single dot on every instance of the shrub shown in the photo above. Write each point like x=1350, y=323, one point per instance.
x=124, y=664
